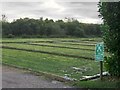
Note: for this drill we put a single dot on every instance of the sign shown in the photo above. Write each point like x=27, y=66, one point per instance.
x=99, y=52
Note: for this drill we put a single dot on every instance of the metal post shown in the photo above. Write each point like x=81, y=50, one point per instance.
x=101, y=69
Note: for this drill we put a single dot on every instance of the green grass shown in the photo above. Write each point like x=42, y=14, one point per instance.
x=54, y=64
x=59, y=44
x=24, y=39
x=76, y=52
x=58, y=65
x=50, y=39
x=98, y=84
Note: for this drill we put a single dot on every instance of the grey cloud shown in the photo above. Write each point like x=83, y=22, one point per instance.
x=61, y=9
x=86, y=9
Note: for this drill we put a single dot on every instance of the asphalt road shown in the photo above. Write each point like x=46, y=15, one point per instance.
x=17, y=78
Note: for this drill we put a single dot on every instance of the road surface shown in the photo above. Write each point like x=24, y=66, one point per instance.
x=17, y=78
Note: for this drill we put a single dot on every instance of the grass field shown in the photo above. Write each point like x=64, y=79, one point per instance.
x=53, y=56
x=55, y=50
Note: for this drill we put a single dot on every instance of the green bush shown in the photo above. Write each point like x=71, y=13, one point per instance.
x=112, y=65
x=110, y=12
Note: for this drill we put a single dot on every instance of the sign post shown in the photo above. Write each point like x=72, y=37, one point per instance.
x=101, y=69
x=99, y=56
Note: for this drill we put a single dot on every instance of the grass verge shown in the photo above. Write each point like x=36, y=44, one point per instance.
x=105, y=83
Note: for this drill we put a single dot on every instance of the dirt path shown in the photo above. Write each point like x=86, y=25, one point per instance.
x=16, y=78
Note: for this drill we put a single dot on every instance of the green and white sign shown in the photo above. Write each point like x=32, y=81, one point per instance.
x=99, y=52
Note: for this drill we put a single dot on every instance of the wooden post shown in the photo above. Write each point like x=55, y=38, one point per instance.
x=101, y=69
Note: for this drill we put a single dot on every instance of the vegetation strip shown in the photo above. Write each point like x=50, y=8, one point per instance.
x=51, y=45
x=80, y=44
x=53, y=42
x=79, y=41
x=28, y=42
x=14, y=42
x=60, y=46
x=39, y=51
x=48, y=75
x=76, y=52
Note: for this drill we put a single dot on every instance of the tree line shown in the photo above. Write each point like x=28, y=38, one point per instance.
x=26, y=28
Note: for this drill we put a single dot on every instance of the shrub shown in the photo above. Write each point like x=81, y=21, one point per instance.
x=110, y=12
x=10, y=36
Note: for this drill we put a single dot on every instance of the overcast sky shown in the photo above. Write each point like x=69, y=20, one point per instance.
x=53, y=9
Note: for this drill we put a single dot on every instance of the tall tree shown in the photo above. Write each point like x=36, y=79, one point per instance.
x=4, y=18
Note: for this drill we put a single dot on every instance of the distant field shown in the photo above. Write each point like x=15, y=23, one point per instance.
x=51, y=39
x=58, y=56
